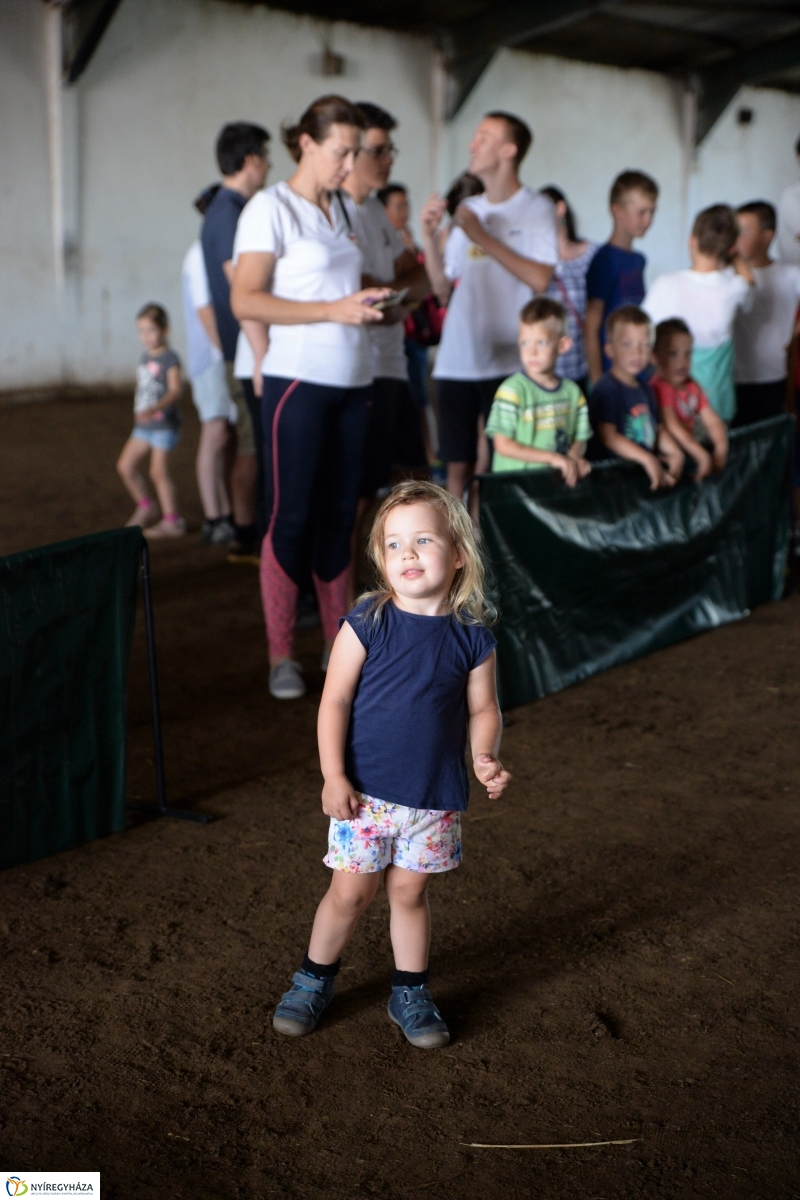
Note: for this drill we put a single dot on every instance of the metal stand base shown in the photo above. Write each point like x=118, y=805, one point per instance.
x=161, y=808
x=181, y=814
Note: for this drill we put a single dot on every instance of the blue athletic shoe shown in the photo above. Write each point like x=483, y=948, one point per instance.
x=412, y=1008
x=302, y=1006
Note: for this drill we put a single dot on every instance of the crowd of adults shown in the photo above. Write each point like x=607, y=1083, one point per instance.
x=310, y=313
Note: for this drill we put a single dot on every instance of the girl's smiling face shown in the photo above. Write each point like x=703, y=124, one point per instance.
x=420, y=558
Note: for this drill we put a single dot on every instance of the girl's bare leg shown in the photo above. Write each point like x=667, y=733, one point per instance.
x=165, y=488
x=410, y=923
x=338, y=912
x=209, y=467
x=134, y=452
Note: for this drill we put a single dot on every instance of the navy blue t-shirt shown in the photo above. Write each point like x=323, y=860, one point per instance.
x=408, y=726
x=216, y=237
x=616, y=277
x=633, y=410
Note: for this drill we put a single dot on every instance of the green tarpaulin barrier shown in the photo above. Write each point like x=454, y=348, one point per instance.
x=594, y=576
x=66, y=623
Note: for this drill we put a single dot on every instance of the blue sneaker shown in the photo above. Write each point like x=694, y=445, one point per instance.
x=302, y=1006
x=412, y=1008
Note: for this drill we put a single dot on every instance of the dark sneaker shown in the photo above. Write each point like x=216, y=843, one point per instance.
x=307, y=612
x=302, y=1006
x=222, y=534
x=412, y=1008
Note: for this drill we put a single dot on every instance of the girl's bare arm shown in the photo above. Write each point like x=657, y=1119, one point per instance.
x=339, y=798
x=486, y=728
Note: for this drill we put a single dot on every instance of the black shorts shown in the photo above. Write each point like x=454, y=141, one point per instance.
x=459, y=404
x=758, y=401
x=394, y=436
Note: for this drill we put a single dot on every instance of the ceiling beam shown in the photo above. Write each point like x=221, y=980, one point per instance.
x=85, y=22
x=512, y=24
x=470, y=46
x=718, y=84
x=462, y=75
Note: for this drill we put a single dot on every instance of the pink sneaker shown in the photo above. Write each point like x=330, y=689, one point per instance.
x=143, y=515
x=167, y=529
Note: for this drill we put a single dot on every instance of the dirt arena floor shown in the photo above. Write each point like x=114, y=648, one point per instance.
x=617, y=958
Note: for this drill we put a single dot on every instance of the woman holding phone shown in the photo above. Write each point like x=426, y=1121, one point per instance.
x=298, y=271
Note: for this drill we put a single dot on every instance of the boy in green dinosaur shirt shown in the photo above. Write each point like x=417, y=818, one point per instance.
x=537, y=419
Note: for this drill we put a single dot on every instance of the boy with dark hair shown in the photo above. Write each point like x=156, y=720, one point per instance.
x=616, y=273
x=243, y=162
x=763, y=334
x=683, y=404
x=518, y=132
x=537, y=419
x=707, y=297
x=501, y=249
x=623, y=409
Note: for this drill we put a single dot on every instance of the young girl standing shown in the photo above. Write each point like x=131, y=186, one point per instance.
x=412, y=671
x=157, y=424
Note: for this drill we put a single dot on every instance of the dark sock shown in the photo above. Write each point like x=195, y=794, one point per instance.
x=245, y=535
x=320, y=970
x=409, y=978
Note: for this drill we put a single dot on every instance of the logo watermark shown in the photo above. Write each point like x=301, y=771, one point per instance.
x=52, y=1183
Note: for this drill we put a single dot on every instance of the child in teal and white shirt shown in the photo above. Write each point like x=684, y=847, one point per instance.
x=537, y=419
x=708, y=298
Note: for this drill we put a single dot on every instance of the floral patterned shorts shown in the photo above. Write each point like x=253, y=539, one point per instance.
x=417, y=839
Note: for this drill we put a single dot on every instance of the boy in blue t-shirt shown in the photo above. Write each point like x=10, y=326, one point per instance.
x=616, y=273
x=623, y=410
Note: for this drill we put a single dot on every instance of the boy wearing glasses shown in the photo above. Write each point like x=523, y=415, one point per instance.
x=394, y=435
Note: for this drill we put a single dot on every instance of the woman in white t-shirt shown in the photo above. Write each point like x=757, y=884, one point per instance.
x=297, y=270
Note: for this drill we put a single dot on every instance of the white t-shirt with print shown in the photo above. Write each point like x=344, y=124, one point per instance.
x=762, y=335
x=381, y=245
x=707, y=301
x=200, y=350
x=315, y=259
x=479, y=339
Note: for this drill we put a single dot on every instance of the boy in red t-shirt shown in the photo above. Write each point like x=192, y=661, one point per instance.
x=685, y=410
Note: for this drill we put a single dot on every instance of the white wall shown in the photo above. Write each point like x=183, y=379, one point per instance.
x=28, y=312
x=167, y=76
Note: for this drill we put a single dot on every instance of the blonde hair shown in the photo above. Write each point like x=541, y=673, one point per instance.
x=467, y=596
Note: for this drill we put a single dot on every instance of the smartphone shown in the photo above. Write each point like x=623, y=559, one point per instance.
x=392, y=300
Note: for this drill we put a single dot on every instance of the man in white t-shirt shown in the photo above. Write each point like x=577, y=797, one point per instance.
x=394, y=435
x=763, y=334
x=788, y=239
x=501, y=251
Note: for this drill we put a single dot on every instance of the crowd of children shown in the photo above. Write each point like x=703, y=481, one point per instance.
x=665, y=370
x=312, y=319
x=669, y=370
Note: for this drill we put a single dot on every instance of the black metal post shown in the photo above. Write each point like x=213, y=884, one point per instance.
x=160, y=809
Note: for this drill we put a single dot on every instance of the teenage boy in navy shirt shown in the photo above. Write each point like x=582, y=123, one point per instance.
x=244, y=163
x=623, y=409
x=616, y=273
